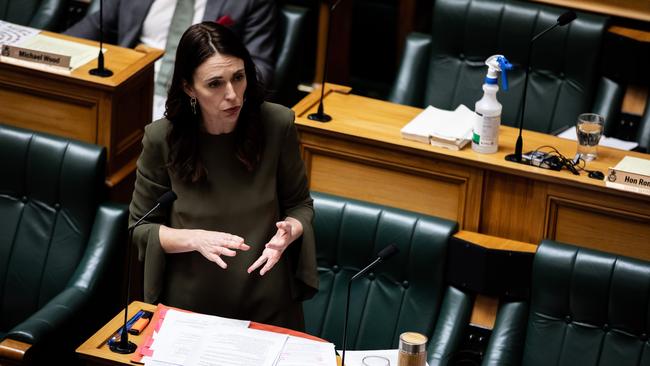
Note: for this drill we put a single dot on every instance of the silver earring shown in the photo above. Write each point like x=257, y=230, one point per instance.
x=193, y=104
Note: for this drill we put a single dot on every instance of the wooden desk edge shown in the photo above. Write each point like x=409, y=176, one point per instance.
x=13, y=351
x=95, y=347
x=496, y=243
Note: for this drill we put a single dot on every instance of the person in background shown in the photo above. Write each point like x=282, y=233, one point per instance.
x=160, y=23
x=238, y=242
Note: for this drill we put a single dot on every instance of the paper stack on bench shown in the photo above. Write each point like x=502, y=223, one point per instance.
x=184, y=338
x=439, y=127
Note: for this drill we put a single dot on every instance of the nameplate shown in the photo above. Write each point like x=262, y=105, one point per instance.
x=45, y=58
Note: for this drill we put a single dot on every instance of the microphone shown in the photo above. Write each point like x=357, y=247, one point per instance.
x=562, y=20
x=383, y=255
x=101, y=71
x=125, y=346
x=320, y=115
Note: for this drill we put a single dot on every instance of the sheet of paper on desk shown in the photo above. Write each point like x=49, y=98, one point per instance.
x=80, y=53
x=570, y=134
x=355, y=358
x=300, y=352
x=448, y=125
x=11, y=34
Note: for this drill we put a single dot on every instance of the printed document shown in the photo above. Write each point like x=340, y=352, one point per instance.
x=301, y=351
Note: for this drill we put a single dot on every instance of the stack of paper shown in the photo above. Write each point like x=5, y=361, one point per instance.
x=439, y=127
x=183, y=338
x=570, y=134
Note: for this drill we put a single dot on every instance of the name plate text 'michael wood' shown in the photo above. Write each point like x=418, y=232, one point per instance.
x=45, y=58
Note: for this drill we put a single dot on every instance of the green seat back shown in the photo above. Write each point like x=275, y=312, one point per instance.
x=41, y=14
x=402, y=294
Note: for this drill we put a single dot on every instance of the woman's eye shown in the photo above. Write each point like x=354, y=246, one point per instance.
x=215, y=84
x=240, y=77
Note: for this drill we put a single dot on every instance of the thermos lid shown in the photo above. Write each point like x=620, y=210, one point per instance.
x=412, y=342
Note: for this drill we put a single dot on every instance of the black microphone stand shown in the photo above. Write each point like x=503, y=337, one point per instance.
x=561, y=21
x=320, y=115
x=101, y=71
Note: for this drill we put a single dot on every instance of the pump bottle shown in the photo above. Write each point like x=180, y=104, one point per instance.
x=485, y=134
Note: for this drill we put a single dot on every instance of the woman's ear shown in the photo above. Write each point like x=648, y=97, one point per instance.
x=188, y=89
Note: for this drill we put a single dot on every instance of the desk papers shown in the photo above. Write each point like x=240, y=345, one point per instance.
x=439, y=127
x=196, y=339
x=630, y=174
x=11, y=34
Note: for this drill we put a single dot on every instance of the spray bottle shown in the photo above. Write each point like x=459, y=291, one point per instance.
x=485, y=135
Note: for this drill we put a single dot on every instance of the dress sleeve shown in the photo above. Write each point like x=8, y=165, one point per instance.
x=296, y=202
x=152, y=180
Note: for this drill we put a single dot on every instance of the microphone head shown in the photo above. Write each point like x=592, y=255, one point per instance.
x=388, y=252
x=566, y=18
x=166, y=199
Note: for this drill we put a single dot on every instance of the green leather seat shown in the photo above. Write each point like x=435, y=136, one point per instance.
x=447, y=68
x=41, y=14
x=59, y=243
x=291, y=29
x=586, y=308
x=406, y=293
x=643, y=134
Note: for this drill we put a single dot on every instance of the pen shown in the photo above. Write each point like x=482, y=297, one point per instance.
x=116, y=336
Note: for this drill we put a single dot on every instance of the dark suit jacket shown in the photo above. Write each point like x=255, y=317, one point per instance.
x=254, y=21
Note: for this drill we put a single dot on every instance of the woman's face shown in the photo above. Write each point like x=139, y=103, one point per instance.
x=218, y=85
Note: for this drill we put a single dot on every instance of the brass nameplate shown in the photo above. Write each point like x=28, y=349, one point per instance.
x=40, y=57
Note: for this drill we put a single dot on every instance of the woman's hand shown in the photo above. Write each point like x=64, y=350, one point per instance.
x=288, y=231
x=211, y=244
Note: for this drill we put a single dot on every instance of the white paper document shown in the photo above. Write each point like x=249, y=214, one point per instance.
x=372, y=357
x=454, y=127
x=79, y=53
x=11, y=34
x=570, y=134
x=300, y=352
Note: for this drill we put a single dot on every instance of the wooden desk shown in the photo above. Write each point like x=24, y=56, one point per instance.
x=95, y=350
x=106, y=111
x=360, y=154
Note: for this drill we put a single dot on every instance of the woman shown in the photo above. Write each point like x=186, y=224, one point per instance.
x=238, y=240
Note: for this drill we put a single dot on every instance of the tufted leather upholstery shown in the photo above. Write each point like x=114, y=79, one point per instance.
x=41, y=14
x=58, y=242
x=447, y=68
x=587, y=308
x=406, y=293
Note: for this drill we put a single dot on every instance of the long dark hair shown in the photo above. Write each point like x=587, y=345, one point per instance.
x=198, y=43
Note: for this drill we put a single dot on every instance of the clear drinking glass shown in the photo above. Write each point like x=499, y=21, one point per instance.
x=375, y=361
x=589, y=129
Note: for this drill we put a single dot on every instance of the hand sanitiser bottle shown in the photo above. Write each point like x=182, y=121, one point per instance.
x=485, y=135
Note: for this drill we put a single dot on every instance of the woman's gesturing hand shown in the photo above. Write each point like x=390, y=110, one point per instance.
x=288, y=231
x=211, y=244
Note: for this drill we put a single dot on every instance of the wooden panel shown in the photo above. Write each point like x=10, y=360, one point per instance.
x=493, y=242
x=55, y=114
x=513, y=207
x=633, y=9
x=12, y=352
x=484, y=312
x=602, y=228
x=436, y=195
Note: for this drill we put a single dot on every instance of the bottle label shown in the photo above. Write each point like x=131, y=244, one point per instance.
x=486, y=130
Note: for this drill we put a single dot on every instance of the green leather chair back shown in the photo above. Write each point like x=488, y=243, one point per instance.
x=58, y=242
x=643, y=134
x=41, y=14
x=587, y=308
x=404, y=293
x=564, y=63
x=292, y=27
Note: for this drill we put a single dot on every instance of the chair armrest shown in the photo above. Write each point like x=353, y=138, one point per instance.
x=409, y=84
x=105, y=240
x=608, y=102
x=13, y=351
x=507, y=340
x=453, y=317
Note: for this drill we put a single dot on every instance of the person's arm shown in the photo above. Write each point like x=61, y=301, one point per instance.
x=259, y=36
x=88, y=26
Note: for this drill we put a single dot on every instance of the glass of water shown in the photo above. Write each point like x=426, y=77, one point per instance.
x=589, y=129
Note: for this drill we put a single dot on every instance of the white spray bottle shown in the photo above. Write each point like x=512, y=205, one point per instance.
x=485, y=135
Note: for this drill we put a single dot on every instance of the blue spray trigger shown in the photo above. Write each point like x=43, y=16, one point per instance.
x=504, y=65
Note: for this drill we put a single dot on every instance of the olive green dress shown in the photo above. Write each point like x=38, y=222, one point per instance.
x=235, y=201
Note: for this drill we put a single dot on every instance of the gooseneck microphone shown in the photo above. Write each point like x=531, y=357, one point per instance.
x=100, y=70
x=562, y=20
x=125, y=346
x=383, y=255
x=320, y=115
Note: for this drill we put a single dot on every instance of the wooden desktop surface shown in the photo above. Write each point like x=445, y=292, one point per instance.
x=111, y=112
x=360, y=154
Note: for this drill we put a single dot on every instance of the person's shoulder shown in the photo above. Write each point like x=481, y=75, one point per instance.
x=276, y=115
x=156, y=131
